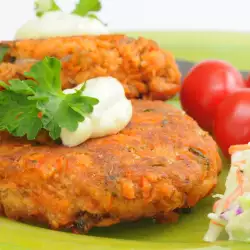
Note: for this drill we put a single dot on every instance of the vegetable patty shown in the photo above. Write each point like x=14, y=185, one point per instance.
x=160, y=162
x=140, y=65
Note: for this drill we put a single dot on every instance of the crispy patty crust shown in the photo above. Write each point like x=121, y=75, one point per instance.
x=160, y=162
x=145, y=70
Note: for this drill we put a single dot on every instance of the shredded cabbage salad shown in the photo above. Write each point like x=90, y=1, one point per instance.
x=232, y=211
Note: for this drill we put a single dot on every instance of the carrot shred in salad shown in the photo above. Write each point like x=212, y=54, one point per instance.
x=237, y=148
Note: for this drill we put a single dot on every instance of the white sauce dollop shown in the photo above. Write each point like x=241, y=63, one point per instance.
x=58, y=23
x=110, y=115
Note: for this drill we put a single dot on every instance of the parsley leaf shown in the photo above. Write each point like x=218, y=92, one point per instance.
x=93, y=16
x=82, y=8
x=18, y=115
x=86, y=6
x=21, y=87
x=3, y=51
x=27, y=106
x=47, y=74
x=42, y=6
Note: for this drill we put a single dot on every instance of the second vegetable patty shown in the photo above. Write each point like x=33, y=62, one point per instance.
x=145, y=70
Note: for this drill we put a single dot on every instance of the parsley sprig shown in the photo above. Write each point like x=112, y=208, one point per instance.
x=82, y=8
x=85, y=6
x=27, y=106
x=42, y=6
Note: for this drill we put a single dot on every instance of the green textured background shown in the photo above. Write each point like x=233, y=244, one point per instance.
x=145, y=235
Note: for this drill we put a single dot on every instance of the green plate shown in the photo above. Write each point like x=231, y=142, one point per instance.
x=187, y=234
x=196, y=46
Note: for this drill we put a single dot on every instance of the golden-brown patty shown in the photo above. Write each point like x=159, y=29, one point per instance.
x=160, y=162
x=144, y=69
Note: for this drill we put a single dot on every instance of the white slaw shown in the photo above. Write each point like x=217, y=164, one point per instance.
x=232, y=211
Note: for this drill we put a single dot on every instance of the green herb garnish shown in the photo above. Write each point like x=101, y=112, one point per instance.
x=27, y=106
x=3, y=51
x=42, y=6
x=86, y=6
x=82, y=8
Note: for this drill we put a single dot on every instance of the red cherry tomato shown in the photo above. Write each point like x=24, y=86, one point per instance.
x=248, y=81
x=205, y=86
x=232, y=120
